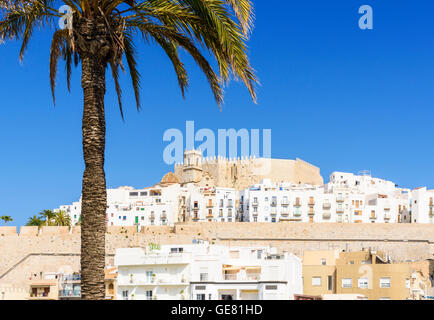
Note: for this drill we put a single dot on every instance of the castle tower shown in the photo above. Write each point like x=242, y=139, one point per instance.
x=192, y=168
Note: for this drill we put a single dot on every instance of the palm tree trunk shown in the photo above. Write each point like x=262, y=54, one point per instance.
x=94, y=192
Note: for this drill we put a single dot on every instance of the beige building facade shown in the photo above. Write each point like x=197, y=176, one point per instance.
x=368, y=273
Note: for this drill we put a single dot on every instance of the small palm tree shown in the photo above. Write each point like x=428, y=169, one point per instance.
x=48, y=215
x=6, y=219
x=103, y=34
x=61, y=218
x=35, y=221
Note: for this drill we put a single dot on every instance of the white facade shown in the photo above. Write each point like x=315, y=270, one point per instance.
x=214, y=205
x=423, y=205
x=346, y=198
x=207, y=272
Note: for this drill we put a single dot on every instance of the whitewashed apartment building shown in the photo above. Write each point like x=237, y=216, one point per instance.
x=346, y=198
x=423, y=205
x=207, y=272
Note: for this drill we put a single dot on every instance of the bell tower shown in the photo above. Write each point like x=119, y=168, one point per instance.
x=192, y=168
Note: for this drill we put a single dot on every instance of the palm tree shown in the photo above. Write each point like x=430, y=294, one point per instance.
x=101, y=33
x=61, y=218
x=6, y=219
x=49, y=216
x=35, y=221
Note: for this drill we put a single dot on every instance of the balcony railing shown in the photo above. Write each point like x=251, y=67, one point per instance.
x=285, y=203
x=69, y=294
x=71, y=277
x=326, y=206
x=297, y=204
x=326, y=215
x=246, y=277
x=340, y=199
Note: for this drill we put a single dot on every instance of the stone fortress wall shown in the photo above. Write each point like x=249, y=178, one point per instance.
x=57, y=249
x=241, y=173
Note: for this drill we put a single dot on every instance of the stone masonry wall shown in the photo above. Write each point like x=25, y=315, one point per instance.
x=53, y=249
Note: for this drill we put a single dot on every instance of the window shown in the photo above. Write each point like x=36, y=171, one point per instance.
x=316, y=281
x=384, y=282
x=176, y=250
x=149, y=277
x=125, y=294
x=200, y=296
x=134, y=194
x=148, y=294
x=347, y=283
x=363, y=283
x=200, y=288
x=204, y=277
x=330, y=283
x=323, y=262
x=407, y=283
x=142, y=194
x=271, y=287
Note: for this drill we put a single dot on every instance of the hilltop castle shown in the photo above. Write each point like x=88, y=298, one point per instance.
x=243, y=173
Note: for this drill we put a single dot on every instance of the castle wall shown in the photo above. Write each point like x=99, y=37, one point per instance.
x=243, y=173
x=55, y=248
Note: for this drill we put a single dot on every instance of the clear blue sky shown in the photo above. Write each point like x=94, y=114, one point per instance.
x=334, y=95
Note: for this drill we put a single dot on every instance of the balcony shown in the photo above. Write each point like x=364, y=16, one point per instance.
x=326, y=215
x=171, y=258
x=297, y=204
x=71, y=277
x=326, y=206
x=230, y=204
x=210, y=205
x=245, y=277
x=285, y=203
x=297, y=214
x=255, y=203
x=311, y=203
x=340, y=199
x=69, y=294
x=431, y=212
x=311, y=212
x=273, y=203
x=196, y=207
x=340, y=210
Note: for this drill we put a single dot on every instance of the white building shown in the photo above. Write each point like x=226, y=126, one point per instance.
x=207, y=272
x=214, y=204
x=346, y=198
x=423, y=205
